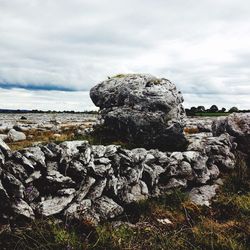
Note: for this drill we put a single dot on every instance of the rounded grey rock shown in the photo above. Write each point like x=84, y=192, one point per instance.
x=141, y=109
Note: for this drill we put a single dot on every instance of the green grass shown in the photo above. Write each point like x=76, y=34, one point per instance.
x=214, y=114
x=223, y=226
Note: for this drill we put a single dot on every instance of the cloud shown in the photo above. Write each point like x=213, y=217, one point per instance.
x=202, y=46
x=46, y=100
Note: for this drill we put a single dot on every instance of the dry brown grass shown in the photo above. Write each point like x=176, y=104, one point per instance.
x=39, y=136
x=191, y=130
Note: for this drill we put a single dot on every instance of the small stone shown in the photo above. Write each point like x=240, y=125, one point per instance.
x=35, y=155
x=107, y=208
x=97, y=189
x=54, y=205
x=34, y=176
x=77, y=210
x=3, y=137
x=84, y=188
x=31, y=193
x=55, y=177
x=22, y=211
x=15, y=136
x=12, y=185
x=176, y=183
x=165, y=221
x=4, y=147
x=202, y=195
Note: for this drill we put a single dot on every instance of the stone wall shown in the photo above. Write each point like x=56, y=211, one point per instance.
x=76, y=180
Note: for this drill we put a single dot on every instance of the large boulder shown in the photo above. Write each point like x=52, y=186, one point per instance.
x=236, y=125
x=141, y=109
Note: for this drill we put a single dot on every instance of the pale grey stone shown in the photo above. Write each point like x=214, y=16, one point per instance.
x=202, y=195
x=15, y=136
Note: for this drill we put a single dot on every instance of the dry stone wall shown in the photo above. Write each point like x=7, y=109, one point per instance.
x=76, y=180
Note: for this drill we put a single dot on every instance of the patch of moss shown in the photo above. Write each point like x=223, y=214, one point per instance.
x=42, y=234
x=120, y=75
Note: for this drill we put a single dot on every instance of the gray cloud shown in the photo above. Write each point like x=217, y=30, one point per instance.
x=202, y=46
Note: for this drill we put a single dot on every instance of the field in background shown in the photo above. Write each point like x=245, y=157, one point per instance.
x=214, y=114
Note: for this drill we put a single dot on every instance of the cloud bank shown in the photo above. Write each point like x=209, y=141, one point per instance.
x=60, y=45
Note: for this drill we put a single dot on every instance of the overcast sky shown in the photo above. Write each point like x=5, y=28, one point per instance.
x=53, y=51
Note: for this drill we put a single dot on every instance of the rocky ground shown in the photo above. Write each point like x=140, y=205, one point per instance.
x=44, y=180
x=47, y=179
x=22, y=130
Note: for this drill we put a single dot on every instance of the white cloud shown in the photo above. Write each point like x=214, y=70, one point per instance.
x=46, y=100
x=202, y=46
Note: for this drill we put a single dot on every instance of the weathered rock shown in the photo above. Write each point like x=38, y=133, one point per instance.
x=220, y=152
x=2, y=158
x=15, y=136
x=21, y=159
x=3, y=137
x=142, y=109
x=136, y=193
x=3, y=193
x=21, y=128
x=176, y=183
x=107, y=208
x=70, y=148
x=151, y=174
x=86, y=156
x=49, y=154
x=34, y=176
x=12, y=185
x=22, y=211
x=214, y=172
x=202, y=195
x=97, y=190
x=78, y=210
x=111, y=150
x=51, y=151
x=52, y=165
x=98, y=150
x=204, y=127
x=116, y=185
x=101, y=169
x=84, y=188
x=238, y=126
x=102, y=160
x=4, y=147
x=76, y=170
x=57, y=180
x=36, y=156
x=55, y=205
x=16, y=170
x=31, y=193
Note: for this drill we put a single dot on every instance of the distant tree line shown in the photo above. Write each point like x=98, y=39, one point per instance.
x=213, y=109
x=22, y=111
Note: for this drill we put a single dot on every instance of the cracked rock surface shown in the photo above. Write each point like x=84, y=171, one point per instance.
x=143, y=110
